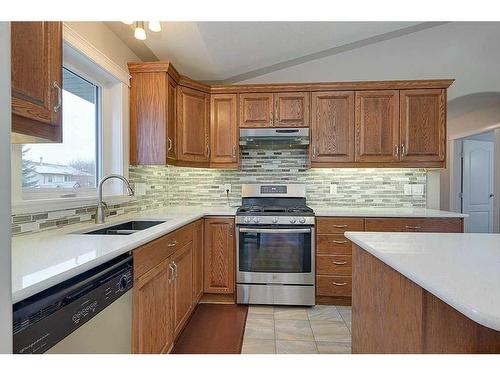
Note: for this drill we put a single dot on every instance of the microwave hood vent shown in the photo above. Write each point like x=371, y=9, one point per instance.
x=293, y=137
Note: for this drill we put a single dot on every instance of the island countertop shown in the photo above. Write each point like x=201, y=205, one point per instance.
x=461, y=269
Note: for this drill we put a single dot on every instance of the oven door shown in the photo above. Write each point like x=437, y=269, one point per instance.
x=275, y=255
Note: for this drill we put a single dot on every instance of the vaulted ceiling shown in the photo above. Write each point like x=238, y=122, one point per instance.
x=233, y=51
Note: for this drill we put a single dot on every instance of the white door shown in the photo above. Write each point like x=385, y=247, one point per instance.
x=477, y=186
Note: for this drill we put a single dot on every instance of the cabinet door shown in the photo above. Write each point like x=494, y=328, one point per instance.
x=332, y=126
x=256, y=110
x=182, y=261
x=152, y=329
x=377, y=125
x=192, y=125
x=148, y=116
x=423, y=124
x=36, y=59
x=219, y=255
x=291, y=109
x=223, y=129
x=198, y=261
x=171, y=119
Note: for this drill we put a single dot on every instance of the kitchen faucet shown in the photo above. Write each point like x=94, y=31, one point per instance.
x=100, y=214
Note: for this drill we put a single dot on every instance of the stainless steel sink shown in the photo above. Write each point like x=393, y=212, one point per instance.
x=126, y=228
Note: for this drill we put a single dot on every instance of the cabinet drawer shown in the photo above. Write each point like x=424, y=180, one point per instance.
x=334, y=265
x=153, y=253
x=414, y=225
x=334, y=286
x=338, y=225
x=333, y=244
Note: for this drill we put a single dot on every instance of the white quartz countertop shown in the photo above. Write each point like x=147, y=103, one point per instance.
x=42, y=260
x=461, y=269
x=385, y=212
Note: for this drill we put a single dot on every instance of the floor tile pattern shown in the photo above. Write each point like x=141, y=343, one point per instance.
x=298, y=330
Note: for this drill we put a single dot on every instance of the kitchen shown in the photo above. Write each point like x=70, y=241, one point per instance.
x=162, y=206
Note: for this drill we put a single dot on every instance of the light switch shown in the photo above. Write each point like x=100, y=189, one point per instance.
x=417, y=189
x=333, y=188
x=140, y=188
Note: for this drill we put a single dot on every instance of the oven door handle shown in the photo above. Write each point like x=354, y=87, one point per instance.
x=275, y=230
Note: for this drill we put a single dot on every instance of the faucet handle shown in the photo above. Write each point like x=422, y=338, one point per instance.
x=105, y=205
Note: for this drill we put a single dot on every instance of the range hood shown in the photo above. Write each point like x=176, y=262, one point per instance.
x=263, y=137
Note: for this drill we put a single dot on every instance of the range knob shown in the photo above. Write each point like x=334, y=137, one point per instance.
x=274, y=220
x=246, y=220
x=293, y=220
x=256, y=220
x=302, y=220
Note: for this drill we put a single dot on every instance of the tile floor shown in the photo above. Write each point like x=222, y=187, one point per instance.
x=298, y=330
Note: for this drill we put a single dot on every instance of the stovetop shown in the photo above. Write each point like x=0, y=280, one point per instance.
x=275, y=210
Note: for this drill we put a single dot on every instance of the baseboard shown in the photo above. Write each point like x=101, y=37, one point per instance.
x=218, y=298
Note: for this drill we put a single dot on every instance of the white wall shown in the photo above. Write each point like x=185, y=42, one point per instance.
x=5, y=253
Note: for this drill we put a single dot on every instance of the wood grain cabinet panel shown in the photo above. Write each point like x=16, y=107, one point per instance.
x=377, y=126
x=338, y=225
x=332, y=127
x=171, y=120
x=182, y=294
x=193, y=125
x=449, y=225
x=152, y=329
x=334, y=265
x=423, y=124
x=333, y=244
x=219, y=255
x=36, y=60
x=334, y=286
x=291, y=109
x=256, y=110
x=224, y=135
x=198, y=241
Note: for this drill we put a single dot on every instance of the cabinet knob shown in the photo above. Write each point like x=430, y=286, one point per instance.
x=172, y=244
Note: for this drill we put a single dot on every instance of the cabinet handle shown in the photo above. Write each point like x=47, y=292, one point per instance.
x=234, y=151
x=169, y=144
x=171, y=273
x=415, y=227
x=314, y=151
x=175, y=270
x=58, y=106
x=208, y=151
x=404, y=151
x=338, y=284
x=339, y=242
x=340, y=226
x=396, y=151
x=339, y=263
x=172, y=244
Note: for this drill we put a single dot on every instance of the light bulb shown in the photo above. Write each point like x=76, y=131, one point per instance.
x=154, y=26
x=139, y=32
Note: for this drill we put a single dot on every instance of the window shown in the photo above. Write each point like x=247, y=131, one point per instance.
x=70, y=168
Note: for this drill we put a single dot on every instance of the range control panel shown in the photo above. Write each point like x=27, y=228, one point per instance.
x=273, y=189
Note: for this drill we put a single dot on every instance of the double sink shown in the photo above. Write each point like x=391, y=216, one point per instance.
x=126, y=228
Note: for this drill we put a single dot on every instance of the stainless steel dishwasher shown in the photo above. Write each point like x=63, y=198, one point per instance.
x=90, y=313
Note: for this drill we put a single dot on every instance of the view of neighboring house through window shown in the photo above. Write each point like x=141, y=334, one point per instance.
x=71, y=166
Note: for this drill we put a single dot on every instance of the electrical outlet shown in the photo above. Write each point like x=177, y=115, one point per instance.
x=333, y=188
x=417, y=189
x=140, y=188
x=407, y=189
x=227, y=187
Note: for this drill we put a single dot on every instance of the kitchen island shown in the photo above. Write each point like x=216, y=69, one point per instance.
x=425, y=292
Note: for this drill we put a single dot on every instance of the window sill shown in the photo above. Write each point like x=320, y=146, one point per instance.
x=56, y=204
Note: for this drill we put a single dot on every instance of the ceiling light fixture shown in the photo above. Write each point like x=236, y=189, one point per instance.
x=154, y=26
x=128, y=22
x=139, y=32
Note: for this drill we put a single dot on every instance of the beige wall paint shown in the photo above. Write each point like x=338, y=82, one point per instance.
x=98, y=34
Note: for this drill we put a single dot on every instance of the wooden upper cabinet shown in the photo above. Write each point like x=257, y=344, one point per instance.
x=377, y=125
x=192, y=125
x=171, y=119
x=152, y=331
x=291, y=109
x=36, y=60
x=332, y=127
x=423, y=125
x=256, y=110
x=219, y=255
x=224, y=135
x=182, y=261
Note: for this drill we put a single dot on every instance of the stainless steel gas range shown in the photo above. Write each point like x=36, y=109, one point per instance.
x=275, y=246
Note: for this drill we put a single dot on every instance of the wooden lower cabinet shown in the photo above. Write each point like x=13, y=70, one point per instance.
x=334, y=250
x=152, y=331
x=182, y=286
x=219, y=255
x=198, y=241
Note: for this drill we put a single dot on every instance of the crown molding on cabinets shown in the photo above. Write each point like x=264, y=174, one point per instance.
x=74, y=39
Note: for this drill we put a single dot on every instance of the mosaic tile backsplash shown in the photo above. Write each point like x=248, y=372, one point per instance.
x=197, y=186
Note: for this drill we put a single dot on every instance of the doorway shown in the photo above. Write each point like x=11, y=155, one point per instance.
x=477, y=187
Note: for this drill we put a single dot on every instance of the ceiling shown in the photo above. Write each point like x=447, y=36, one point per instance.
x=226, y=51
